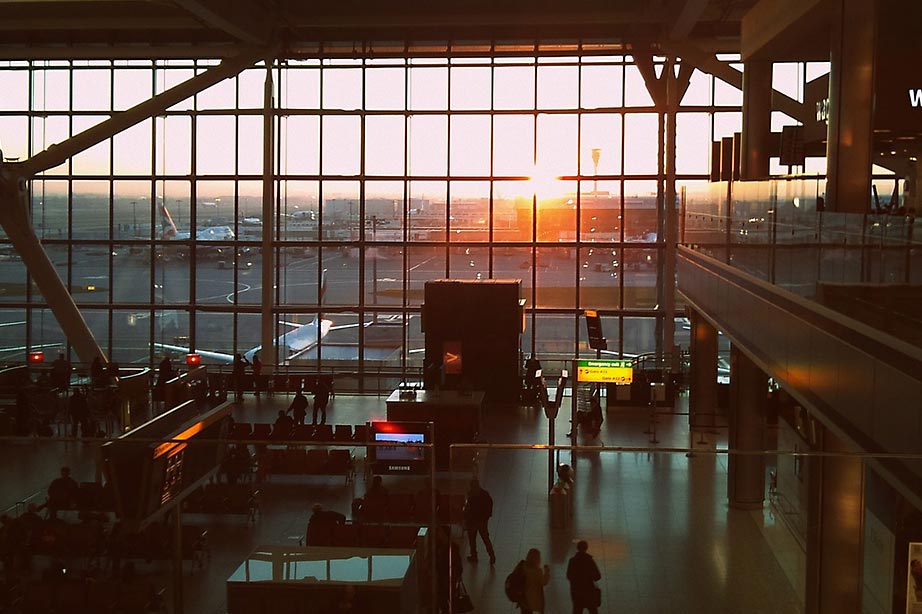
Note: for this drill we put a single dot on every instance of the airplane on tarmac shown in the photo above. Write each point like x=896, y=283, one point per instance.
x=296, y=342
x=168, y=230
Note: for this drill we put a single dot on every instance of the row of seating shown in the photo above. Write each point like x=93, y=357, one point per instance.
x=263, y=431
x=363, y=535
x=410, y=508
x=90, y=597
x=315, y=461
x=218, y=498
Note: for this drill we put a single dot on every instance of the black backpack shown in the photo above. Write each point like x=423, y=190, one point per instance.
x=515, y=584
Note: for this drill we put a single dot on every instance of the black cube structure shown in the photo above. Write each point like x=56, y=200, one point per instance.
x=473, y=334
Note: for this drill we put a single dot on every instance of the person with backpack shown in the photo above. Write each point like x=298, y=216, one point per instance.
x=582, y=572
x=478, y=508
x=525, y=585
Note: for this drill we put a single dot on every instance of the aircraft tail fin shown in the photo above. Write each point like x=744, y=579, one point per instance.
x=167, y=226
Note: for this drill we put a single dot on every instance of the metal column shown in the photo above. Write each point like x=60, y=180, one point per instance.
x=748, y=395
x=757, y=120
x=851, y=106
x=267, y=319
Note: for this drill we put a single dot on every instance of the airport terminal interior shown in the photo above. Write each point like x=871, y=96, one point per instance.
x=286, y=287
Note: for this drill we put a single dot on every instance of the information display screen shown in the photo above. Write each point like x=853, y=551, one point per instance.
x=404, y=452
x=605, y=371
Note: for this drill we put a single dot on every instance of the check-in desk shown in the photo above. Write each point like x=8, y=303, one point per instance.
x=298, y=580
x=456, y=415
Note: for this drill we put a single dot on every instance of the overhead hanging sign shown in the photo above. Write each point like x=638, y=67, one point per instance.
x=604, y=371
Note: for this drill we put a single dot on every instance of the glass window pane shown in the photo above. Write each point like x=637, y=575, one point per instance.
x=212, y=334
x=90, y=278
x=131, y=210
x=556, y=277
x=174, y=209
x=250, y=145
x=221, y=95
x=557, y=152
x=342, y=276
x=636, y=93
x=556, y=211
x=514, y=87
x=639, y=335
x=14, y=137
x=131, y=274
x=512, y=210
x=165, y=78
x=384, y=145
x=385, y=88
x=693, y=143
x=470, y=211
x=14, y=90
x=600, y=211
x=50, y=208
x=558, y=87
x=428, y=88
x=640, y=211
x=600, y=277
x=299, y=213
x=132, y=152
x=383, y=274
x=171, y=277
x=555, y=336
x=174, y=146
x=342, y=88
x=91, y=209
x=297, y=275
x=384, y=210
x=600, y=132
x=424, y=264
x=51, y=90
x=640, y=143
x=341, y=145
x=470, y=88
x=341, y=210
x=251, y=88
x=427, y=210
x=640, y=277
x=216, y=145
x=301, y=88
x=601, y=87
x=95, y=160
x=726, y=94
x=513, y=145
x=470, y=145
x=699, y=89
x=132, y=87
x=45, y=132
x=469, y=263
x=300, y=136
x=428, y=145
x=726, y=124
x=92, y=90
x=13, y=282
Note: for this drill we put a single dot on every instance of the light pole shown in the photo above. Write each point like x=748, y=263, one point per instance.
x=374, y=262
x=134, y=211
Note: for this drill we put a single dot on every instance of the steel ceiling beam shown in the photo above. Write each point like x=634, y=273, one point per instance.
x=232, y=18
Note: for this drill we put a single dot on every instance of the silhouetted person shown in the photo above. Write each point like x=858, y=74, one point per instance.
x=238, y=371
x=321, y=400
x=536, y=578
x=164, y=371
x=257, y=367
x=97, y=373
x=60, y=373
x=322, y=521
x=298, y=407
x=447, y=567
x=80, y=413
x=478, y=508
x=283, y=425
x=62, y=493
x=582, y=572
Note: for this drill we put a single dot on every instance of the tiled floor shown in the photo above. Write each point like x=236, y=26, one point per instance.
x=657, y=522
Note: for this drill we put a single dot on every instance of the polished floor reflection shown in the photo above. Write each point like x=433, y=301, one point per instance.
x=658, y=523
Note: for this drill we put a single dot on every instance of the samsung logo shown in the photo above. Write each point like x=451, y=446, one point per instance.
x=398, y=467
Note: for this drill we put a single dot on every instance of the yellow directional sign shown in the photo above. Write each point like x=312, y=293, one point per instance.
x=604, y=371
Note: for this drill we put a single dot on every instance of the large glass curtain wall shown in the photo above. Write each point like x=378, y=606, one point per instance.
x=389, y=172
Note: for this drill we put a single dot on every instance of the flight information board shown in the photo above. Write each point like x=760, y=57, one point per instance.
x=604, y=371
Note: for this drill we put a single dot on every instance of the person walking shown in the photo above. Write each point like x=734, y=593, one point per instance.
x=238, y=370
x=478, y=508
x=298, y=407
x=582, y=572
x=257, y=368
x=321, y=400
x=536, y=578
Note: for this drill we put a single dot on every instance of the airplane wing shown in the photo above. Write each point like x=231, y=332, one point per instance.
x=217, y=356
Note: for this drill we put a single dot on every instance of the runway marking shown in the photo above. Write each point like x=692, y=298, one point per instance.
x=413, y=268
x=13, y=323
x=230, y=297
